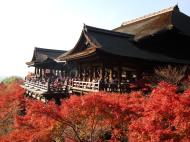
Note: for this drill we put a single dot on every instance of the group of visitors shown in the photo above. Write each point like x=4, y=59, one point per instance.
x=58, y=83
x=53, y=82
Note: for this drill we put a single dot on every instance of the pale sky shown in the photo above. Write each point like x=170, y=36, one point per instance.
x=57, y=24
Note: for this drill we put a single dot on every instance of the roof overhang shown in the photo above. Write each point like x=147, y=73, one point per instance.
x=30, y=63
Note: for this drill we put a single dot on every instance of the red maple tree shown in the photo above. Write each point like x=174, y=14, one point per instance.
x=163, y=115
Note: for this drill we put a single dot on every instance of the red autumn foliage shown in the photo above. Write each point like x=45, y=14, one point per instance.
x=36, y=124
x=93, y=116
x=163, y=115
x=166, y=117
x=11, y=100
x=33, y=125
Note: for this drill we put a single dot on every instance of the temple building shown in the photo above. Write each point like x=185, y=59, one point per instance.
x=44, y=59
x=111, y=56
x=109, y=60
x=166, y=32
x=46, y=68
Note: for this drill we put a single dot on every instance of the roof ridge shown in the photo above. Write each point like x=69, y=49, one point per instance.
x=105, y=31
x=149, y=15
x=46, y=49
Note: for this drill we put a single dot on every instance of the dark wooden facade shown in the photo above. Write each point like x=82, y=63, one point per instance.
x=45, y=59
x=46, y=68
x=115, y=57
x=113, y=52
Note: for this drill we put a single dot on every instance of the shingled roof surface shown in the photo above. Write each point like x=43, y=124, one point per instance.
x=150, y=24
x=114, y=43
x=42, y=54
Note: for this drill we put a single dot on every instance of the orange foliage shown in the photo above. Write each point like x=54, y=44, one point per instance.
x=166, y=117
x=11, y=100
x=93, y=116
x=161, y=116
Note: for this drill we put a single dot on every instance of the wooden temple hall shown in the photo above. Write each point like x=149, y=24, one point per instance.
x=109, y=60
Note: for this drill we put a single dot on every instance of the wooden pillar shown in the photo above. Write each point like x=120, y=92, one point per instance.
x=35, y=71
x=40, y=72
x=94, y=72
x=51, y=72
x=84, y=74
x=66, y=72
x=56, y=72
x=119, y=73
x=61, y=73
x=102, y=72
x=90, y=75
x=79, y=72
x=111, y=74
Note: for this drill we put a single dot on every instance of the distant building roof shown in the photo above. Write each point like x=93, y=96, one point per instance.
x=111, y=42
x=41, y=55
x=150, y=24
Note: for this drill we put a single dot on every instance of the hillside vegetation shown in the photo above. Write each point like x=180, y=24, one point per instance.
x=12, y=79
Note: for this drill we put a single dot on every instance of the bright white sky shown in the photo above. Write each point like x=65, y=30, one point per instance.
x=57, y=24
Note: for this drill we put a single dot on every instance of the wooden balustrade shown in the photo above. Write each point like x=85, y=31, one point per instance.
x=45, y=87
x=81, y=86
x=37, y=85
x=86, y=86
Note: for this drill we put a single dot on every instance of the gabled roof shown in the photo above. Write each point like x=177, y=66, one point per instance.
x=150, y=24
x=93, y=38
x=90, y=35
x=41, y=54
x=120, y=44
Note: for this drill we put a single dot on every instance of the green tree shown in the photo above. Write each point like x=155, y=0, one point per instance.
x=12, y=79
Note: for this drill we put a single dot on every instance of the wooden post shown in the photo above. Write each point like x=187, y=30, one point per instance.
x=90, y=75
x=102, y=72
x=35, y=71
x=119, y=73
x=61, y=73
x=119, y=78
x=111, y=74
x=40, y=72
x=50, y=72
x=79, y=72
x=84, y=75
x=66, y=72
x=94, y=72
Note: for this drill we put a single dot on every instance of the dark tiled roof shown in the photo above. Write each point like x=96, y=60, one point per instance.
x=49, y=53
x=150, y=24
x=42, y=54
x=111, y=42
x=98, y=38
